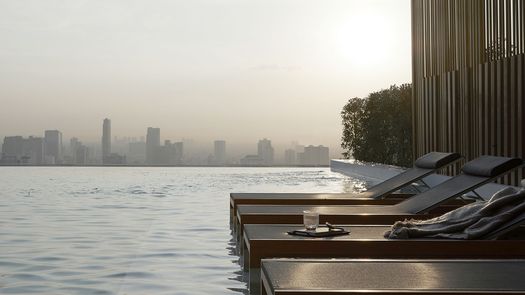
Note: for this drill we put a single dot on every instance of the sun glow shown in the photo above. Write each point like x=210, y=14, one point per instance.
x=365, y=40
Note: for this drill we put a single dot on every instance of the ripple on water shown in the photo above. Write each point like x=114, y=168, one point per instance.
x=39, y=268
x=5, y=263
x=79, y=290
x=25, y=289
x=49, y=258
x=160, y=255
x=92, y=267
x=66, y=273
x=26, y=277
x=131, y=274
x=82, y=282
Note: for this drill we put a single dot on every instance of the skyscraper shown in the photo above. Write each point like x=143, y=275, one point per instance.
x=12, y=149
x=53, y=146
x=35, y=150
x=106, y=140
x=19, y=150
x=314, y=156
x=78, y=152
x=219, y=152
x=170, y=153
x=137, y=152
x=153, y=146
x=265, y=151
x=290, y=157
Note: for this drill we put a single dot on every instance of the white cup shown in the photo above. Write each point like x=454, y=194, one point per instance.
x=310, y=219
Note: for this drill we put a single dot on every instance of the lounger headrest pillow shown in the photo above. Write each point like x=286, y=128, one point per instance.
x=435, y=160
x=490, y=166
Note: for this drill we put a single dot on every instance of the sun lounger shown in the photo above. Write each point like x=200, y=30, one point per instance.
x=478, y=225
x=315, y=277
x=377, y=194
x=366, y=241
x=475, y=174
x=271, y=240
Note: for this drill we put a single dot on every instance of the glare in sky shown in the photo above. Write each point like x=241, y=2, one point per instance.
x=205, y=69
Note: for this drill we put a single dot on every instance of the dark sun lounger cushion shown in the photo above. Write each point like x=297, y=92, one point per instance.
x=490, y=166
x=435, y=160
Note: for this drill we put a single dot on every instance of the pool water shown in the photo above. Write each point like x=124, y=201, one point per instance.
x=132, y=230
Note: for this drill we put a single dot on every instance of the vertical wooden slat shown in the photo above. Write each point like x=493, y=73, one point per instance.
x=492, y=116
x=514, y=25
x=505, y=120
x=481, y=110
x=520, y=149
x=486, y=115
x=513, y=128
x=521, y=26
x=498, y=110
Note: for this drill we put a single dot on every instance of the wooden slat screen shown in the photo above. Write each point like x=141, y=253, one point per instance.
x=468, y=60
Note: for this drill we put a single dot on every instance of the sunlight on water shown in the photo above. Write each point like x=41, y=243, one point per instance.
x=90, y=230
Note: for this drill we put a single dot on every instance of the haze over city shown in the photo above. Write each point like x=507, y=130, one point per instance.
x=200, y=70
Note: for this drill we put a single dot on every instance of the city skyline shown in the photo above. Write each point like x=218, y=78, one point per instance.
x=149, y=150
x=237, y=147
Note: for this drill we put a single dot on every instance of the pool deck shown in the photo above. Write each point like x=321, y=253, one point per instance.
x=262, y=241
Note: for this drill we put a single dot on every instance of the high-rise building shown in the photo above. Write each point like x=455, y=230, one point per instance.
x=314, y=156
x=74, y=144
x=265, y=151
x=137, y=152
x=153, y=146
x=81, y=155
x=79, y=152
x=12, y=149
x=18, y=150
x=252, y=160
x=290, y=157
x=219, y=152
x=35, y=150
x=106, y=140
x=116, y=159
x=170, y=153
x=179, y=152
x=53, y=147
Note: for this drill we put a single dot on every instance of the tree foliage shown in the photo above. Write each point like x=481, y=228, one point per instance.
x=378, y=128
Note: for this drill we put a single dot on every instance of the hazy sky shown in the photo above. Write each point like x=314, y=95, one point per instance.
x=238, y=70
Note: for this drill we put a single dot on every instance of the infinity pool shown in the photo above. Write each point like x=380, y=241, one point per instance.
x=87, y=230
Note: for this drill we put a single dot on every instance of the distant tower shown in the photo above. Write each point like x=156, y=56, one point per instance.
x=219, y=152
x=290, y=157
x=152, y=146
x=19, y=150
x=265, y=151
x=106, y=140
x=314, y=156
x=53, y=147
